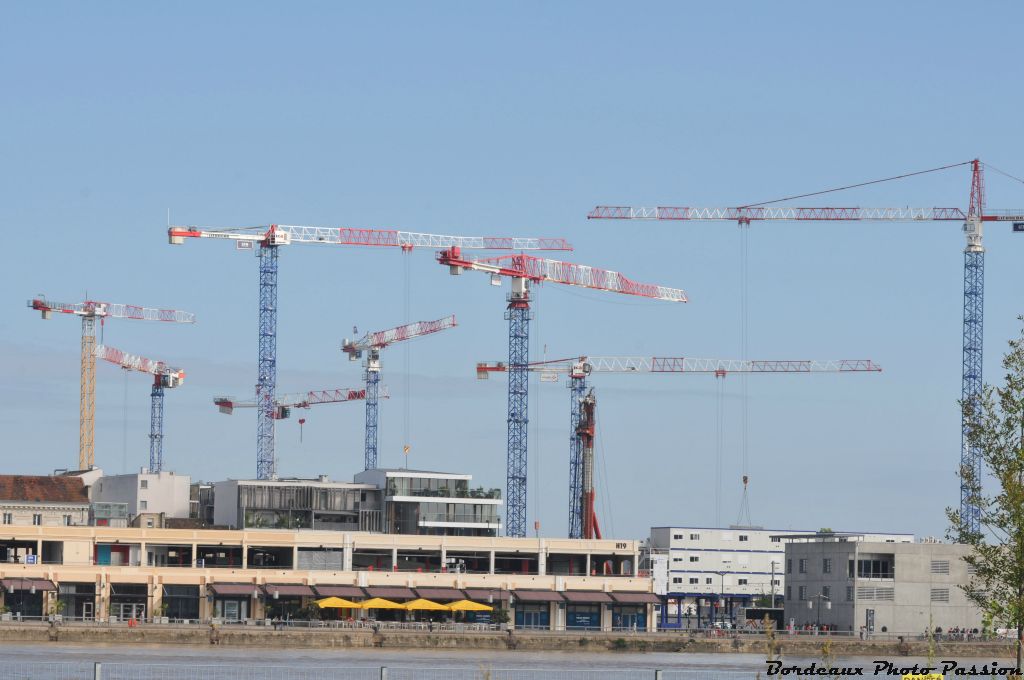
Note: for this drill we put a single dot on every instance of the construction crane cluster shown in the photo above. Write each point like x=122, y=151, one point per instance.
x=524, y=271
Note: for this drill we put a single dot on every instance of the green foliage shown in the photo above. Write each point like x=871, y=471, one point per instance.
x=994, y=424
x=620, y=644
x=825, y=530
x=499, y=615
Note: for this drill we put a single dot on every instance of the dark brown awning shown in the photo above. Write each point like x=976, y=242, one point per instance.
x=391, y=593
x=232, y=589
x=485, y=594
x=40, y=584
x=288, y=590
x=635, y=598
x=587, y=596
x=348, y=592
x=440, y=594
x=537, y=596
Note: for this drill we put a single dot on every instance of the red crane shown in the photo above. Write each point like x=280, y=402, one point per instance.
x=524, y=270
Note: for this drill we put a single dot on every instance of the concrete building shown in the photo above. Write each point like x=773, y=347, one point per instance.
x=42, y=501
x=846, y=581
x=234, y=576
x=145, y=493
x=438, y=503
x=710, y=572
x=297, y=504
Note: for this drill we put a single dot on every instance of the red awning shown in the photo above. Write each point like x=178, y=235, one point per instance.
x=391, y=593
x=288, y=590
x=635, y=598
x=486, y=594
x=232, y=589
x=538, y=596
x=40, y=584
x=587, y=596
x=347, y=592
x=438, y=594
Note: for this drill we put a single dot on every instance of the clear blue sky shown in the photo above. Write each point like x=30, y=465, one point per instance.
x=470, y=118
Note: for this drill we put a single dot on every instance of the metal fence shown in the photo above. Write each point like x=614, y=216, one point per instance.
x=135, y=671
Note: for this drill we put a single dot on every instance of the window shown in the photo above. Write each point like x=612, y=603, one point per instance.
x=694, y=537
x=144, y=484
x=849, y=568
x=940, y=594
x=695, y=558
x=826, y=592
x=789, y=592
x=849, y=593
x=677, y=579
x=744, y=537
x=801, y=593
x=789, y=565
x=776, y=582
x=37, y=520
x=694, y=580
x=67, y=520
x=708, y=580
x=876, y=566
x=677, y=537
x=776, y=539
x=826, y=566
x=802, y=566
x=677, y=559
x=149, y=524
x=8, y=518
x=741, y=582
x=143, y=505
x=872, y=593
x=940, y=566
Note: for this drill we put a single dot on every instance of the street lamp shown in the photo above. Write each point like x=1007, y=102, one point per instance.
x=721, y=600
x=819, y=597
x=774, y=563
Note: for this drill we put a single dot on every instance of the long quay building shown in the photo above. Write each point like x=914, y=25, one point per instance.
x=200, y=575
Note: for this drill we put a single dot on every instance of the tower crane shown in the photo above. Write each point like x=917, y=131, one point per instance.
x=973, y=221
x=372, y=344
x=268, y=239
x=284, y=403
x=524, y=270
x=164, y=376
x=90, y=311
x=581, y=491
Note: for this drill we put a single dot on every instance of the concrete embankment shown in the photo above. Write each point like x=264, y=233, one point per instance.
x=241, y=636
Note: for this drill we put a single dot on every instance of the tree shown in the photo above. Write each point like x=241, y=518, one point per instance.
x=994, y=424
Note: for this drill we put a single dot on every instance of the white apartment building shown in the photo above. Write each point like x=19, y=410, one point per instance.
x=145, y=492
x=710, y=572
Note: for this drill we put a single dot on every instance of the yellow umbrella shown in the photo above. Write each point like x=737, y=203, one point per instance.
x=337, y=603
x=380, y=603
x=426, y=604
x=469, y=606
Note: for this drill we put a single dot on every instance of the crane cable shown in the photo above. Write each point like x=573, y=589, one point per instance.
x=859, y=184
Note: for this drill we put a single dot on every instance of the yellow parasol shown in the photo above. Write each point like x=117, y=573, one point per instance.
x=337, y=603
x=380, y=603
x=429, y=605
x=469, y=606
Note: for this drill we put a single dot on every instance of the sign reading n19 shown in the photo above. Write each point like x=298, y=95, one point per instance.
x=1018, y=226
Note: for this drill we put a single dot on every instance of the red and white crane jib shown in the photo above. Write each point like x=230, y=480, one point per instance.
x=582, y=366
x=283, y=234
x=796, y=214
x=381, y=339
x=539, y=270
x=298, y=399
x=111, y=309
x=173, y=376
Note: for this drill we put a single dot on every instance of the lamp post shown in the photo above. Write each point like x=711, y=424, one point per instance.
x=721, y=600
x=774, y=562
x=819, y=597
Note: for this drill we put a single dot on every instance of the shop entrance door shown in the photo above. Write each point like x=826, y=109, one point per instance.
x=87, y=611
x=127, y=611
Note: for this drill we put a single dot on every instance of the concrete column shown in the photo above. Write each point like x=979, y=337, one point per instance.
x=205, y=605
x=491, y=568
x=39, y=551
x=346, y=556
x=295, y=557
x=444, y=557
x=157, y=600
x=143, y=556
x=394, y=559
x=103, y=600
x=636, y=563
x=245, y=556
x=259, y=609
x=542, y=558
x=587, y=572
x=606, y=617
x=195, y=549
x=652, y=623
